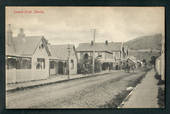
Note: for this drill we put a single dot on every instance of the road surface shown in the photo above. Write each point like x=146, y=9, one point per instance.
x=91, y=92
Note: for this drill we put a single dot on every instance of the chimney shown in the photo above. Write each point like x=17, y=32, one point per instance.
x=21, y=33
x=9, y=35
x=106, y=42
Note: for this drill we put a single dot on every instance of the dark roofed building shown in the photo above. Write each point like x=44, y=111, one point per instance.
x=101, y=51
x=98, y=47
x=117, y=49
x=115, y=46
x=108, y=52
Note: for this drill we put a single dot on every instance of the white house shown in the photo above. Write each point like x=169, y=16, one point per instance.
x=27, y=57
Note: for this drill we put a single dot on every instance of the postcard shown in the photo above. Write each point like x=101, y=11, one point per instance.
x=84, y=57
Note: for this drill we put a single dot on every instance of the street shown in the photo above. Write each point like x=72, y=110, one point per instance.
x=91, y=92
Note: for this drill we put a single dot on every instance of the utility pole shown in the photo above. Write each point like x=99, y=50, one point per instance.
x=94, y=32
x=68, y=61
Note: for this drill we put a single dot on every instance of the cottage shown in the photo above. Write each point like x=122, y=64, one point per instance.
x=61, y=54
x=27, y=57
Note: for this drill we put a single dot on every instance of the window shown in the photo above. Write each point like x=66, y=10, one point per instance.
x=72, y=64
x=23, y=63
x=40, y=63
x=11, y=62
x=52, y=64
x=41, y=46
x=86, y=56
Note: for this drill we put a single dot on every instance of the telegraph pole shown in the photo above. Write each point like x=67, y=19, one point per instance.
x=94, y=32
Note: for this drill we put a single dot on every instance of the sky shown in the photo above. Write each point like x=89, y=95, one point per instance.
x=74, y=25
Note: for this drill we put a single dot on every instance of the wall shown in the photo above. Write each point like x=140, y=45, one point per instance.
x=23, y=75
x=160, y=66
x=10, y=75
x=116, y=54
x=73, y=57
x=54, y=71
x=18, y=75
x=108, y=55
x=40, y=73
x=163, y=66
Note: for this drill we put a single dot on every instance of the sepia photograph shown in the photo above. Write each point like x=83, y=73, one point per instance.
x=84, y=57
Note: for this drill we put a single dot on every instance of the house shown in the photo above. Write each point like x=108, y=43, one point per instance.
x=108, y=52
x=27, y=57
x=119, y=50
x=120, y=53
x=60, y=55
x=101, y=52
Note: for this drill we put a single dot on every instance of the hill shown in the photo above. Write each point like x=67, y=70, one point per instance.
x=145, y=42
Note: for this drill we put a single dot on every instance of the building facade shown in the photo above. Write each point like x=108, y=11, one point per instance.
x=63, y=59
x=26, y=57
x=107, y=53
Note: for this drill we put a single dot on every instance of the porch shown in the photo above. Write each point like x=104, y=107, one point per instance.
x=57, y=67
x=22, y=69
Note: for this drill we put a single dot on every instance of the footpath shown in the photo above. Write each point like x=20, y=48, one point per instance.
x=145, y=94
x=50, y=80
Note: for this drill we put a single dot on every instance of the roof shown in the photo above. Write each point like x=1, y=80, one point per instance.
x=24, y=46
x=112, y=46
x=60, y=51
x=27, y=45
x=115, y=46
x=10, y=50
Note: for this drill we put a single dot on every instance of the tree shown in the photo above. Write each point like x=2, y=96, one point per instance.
x=85, y=66
x=144, y=60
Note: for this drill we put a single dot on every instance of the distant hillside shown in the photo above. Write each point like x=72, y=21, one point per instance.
x=145, y=42
x=143, y=55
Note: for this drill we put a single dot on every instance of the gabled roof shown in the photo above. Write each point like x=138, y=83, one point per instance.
x=27, y=45
x=112, y=46
x=89, y=47
x=60, y=51
x=24, y=46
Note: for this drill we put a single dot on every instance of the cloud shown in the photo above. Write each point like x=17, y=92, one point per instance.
x=74, y=24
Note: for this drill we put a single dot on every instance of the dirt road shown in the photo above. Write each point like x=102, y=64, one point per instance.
x=91, y=92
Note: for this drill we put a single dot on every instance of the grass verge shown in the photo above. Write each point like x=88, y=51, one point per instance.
x=119, y=98
x=161, y=97
x=161, y=91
